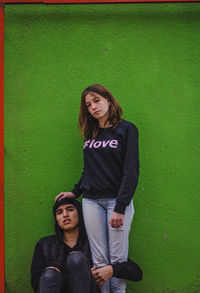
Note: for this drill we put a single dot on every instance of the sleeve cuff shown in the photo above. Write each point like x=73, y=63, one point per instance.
x=76, y=191
x=120, y=208
x=115, y=270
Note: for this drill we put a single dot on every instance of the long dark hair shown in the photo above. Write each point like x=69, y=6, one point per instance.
x=88, y=125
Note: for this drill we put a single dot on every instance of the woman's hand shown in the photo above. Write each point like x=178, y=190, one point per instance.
x=101, y=275
x=64, y=195
x=116, y=220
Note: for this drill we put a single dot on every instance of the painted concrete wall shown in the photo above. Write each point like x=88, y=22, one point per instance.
x=148, y=56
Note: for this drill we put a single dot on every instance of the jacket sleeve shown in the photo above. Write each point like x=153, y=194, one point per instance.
x=127, y=270
x=130, y=172
x=37, y=266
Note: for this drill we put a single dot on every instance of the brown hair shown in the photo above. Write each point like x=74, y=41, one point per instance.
x=88, y=125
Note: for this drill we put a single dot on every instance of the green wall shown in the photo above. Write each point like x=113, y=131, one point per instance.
x=148, y=55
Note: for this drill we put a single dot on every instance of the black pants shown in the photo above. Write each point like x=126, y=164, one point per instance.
x=77, y=278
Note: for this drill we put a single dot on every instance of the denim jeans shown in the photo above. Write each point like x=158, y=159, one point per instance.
x=108, y=245
x=78, y=276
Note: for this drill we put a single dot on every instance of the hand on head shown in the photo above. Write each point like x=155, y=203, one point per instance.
x=64, y=195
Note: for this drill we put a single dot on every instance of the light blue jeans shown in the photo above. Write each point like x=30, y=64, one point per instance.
x=108, y=245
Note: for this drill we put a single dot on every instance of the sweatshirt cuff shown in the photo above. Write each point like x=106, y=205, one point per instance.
x=76, y=191
x=120, y=208
x=116, y=270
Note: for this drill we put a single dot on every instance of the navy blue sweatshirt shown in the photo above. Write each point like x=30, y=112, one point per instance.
x=111, y=165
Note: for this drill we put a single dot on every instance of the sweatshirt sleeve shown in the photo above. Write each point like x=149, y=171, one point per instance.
x=77, y=191
x=37, y=267
x=130, y=172
x=127, y=270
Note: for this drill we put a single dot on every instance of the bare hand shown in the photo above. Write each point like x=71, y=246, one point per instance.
x=64, y=195
x=101, y=275
x=116, y=220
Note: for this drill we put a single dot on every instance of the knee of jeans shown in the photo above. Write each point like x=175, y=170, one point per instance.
x=50, y=274
x=101, y=260
x=118, y=258
x=76, y=258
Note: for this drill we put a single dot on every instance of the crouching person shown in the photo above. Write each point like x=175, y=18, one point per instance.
x=62, y=262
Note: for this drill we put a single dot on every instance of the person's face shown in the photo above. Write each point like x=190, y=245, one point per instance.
x=97, y=106
x=67, y=217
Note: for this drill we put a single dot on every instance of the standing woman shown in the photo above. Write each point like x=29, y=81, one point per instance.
x=109, y=179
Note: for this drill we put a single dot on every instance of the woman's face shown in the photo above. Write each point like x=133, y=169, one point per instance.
x=97, y=106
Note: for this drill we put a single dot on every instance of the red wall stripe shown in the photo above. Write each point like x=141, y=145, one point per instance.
x=2, y=261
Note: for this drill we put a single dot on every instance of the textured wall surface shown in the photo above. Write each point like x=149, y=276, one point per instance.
x=149, y=56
